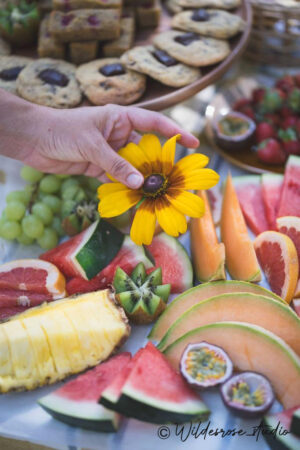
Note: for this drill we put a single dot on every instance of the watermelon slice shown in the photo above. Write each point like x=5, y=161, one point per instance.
x=75, y=403
x=153, y=392
x=127, y=258
x=249, y=192
x=87, y=253
x=290, y=197
x=271, y=185
x=283, y=438
x=173, y=259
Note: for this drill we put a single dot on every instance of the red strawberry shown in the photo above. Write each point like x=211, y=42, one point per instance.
x=249, y=112
x=289, y=122
x=264, y=131
x=241, y=104
x=285, y=83
x=273, y=119
x=285, y=111
x=290, y=141
x=258, y=95
x=297, y=79
x=271, y=152
x=272, y=101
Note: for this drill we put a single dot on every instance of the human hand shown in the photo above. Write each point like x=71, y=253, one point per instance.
x=85, y=140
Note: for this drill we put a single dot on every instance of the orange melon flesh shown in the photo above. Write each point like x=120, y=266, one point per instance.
x=201, y=292
x=249, y=347
x=207, y=254
x=241, y=260
x=241, y=307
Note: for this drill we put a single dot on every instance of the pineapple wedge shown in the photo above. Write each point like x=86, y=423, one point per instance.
x=46, y=343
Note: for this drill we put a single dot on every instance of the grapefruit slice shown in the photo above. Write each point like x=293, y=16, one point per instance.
x=241, y=260
x=271, y=185
x=290, y=197
x=290, y=225
x=249, y=192
x=278, y=258
x=250, y=347
x=207, y=254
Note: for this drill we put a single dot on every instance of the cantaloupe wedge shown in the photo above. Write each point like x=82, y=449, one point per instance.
x=250, y=347
x=241, y=260
x=241, y=307
x=207, y=254
x=201, y=292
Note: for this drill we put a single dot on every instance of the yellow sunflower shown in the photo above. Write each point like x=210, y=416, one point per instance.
x=164, y=195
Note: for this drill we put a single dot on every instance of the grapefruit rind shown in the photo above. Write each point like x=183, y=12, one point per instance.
x=249, y=347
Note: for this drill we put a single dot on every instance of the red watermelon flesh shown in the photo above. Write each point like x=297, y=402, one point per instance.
x=10, y=297
x=127, y=258
x=173, y=259
x=249, y=192
x=7, y=312
x=290, y=197
x=271, y=191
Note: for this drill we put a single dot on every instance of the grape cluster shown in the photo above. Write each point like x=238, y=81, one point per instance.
x=37, y=212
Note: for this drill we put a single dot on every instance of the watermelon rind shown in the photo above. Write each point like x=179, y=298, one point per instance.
x=100, y=245
x=279, y=441
x=85, y=414
x=295, y=425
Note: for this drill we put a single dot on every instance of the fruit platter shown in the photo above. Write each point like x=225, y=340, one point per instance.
x=173, y=331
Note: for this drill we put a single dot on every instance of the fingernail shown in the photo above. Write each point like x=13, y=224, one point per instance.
x=134, y=181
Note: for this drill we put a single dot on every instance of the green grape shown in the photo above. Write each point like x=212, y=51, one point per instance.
x=10, y=230
x=31, y=175
x=48, y=240
x=53, y=202
x=70, y=192
x=32, y=226
x=93, y=183
x=19, y=196
x=67, y=207
x=62, y=176
x=56, y=225
x=50, y=184
x=43, y=212
x=15, y=210
x=69, y=182
x=24, y=239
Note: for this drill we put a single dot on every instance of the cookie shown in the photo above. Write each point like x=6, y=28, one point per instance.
x=48, y=47
x=10, y=68
x=209, y=22
x=221, y=4
x=85, y=25
x=148, y=15
x=160, y=66
x=49, y=82
x=173, y=6
x=82, y=52
x=4, y=48
x=108, y=81
x=68, y=5
x=191, y=48
x=124, y=42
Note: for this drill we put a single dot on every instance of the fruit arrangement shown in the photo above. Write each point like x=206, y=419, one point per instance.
x=276, y=112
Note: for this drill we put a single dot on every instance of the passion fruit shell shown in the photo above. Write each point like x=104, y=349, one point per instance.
x=204, y=365
x=248, y=394
x=239, y=136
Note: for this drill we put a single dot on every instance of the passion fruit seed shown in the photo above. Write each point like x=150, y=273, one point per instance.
x=153, y=184
x=240, y=393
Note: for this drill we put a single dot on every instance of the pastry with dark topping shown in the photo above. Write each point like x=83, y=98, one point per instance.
x=10, y=68
x=67, y=5
x=48, y=47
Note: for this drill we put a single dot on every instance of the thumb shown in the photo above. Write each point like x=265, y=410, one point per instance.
x=119, y=168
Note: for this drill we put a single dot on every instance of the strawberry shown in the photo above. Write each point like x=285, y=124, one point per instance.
x=289, y=122
x=272, y=101
x=285, y=111
x=297, y=80
x=290, y=141
x=286, y=83
x=271, y=152
x=264, y=131
x=241, y=104
x=272, y=118
x=293, y=100
x=258, y=95
x=249, y=112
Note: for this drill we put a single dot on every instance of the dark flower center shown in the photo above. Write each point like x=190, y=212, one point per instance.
x=154, y=184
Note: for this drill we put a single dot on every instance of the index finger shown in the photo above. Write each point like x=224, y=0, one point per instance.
x=144, y=120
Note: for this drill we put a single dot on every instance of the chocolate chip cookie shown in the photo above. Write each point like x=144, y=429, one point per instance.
x=209, y=22
x=191, y=48
x=4, y=48
x=221, y=4
x=159, y=65
x=49, y=82
x=109, y=81
x=10, y=68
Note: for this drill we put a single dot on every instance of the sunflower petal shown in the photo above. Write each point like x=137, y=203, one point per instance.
x=169, y=218
x=134, y=154
x=150, y=144
x=118, y=202
x=143, y=225
x=195, y=179
x=110, y=188
x=168, y=154
x=191, y=162
x=187, y=203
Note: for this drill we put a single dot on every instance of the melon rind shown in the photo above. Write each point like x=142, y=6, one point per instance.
x=250, y=347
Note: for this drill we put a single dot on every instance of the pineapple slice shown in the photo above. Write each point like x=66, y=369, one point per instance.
x=49, y=342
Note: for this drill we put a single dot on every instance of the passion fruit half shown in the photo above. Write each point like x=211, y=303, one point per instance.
x=204, y=365
x=234, y=131
x=248, y=394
